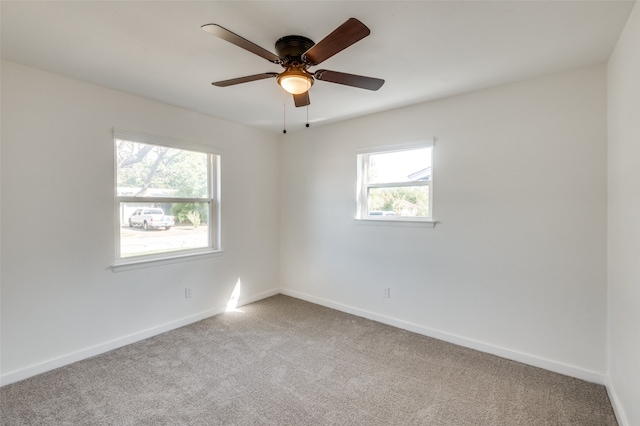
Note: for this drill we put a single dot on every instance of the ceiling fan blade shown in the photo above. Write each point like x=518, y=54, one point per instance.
x=360, y=81
x=233, y=38
x=246, y=79
x=302, y=99
x=341, y=38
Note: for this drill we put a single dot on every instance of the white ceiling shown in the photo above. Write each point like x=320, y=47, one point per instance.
x=423, y=49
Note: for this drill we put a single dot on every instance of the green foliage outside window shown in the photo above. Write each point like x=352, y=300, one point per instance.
x=404, y=201
x=151, y=170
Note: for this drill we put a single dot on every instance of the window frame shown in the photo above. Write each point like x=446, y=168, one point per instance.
x=362, y=201
x=212, y=199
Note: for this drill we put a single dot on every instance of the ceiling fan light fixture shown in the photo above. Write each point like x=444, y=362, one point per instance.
x=295, y=81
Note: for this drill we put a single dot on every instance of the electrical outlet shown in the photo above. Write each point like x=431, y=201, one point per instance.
x=385, y=292
x=187, y=292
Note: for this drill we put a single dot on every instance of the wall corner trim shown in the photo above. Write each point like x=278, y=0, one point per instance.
x=621, y=417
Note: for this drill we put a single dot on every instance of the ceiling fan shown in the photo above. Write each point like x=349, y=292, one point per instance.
x=296, y=54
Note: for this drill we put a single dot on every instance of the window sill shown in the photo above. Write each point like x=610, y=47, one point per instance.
x=386, y=221
x=128, y=265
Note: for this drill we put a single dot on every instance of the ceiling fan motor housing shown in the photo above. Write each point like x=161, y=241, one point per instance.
x=290, y=49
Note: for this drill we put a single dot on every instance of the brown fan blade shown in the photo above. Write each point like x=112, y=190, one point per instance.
x=341, y=38
x=233, y=38
x=360, y=81
x=246, y=79
x=302, y=99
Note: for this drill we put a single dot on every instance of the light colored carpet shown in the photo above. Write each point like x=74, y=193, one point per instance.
x=284, y=361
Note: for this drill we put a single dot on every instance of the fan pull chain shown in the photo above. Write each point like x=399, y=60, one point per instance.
x=308, y=87
x=284, y=112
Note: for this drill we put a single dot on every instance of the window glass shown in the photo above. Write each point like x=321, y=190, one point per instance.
x=146, y=170
x=174, y=227
x=400, y=201
x=400, y=166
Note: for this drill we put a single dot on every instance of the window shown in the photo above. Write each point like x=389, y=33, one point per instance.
x=166, y=198
x=395, y=184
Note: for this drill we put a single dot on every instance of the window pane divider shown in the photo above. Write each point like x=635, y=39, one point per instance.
x=399, y=184
x=163, y=200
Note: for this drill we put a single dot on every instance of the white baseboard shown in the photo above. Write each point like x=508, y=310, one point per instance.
x=554, y=366
x=557, y=367
x=621, y=417
x=101, y=348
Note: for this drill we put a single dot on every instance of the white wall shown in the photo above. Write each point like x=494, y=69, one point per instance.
x=624, y=224
x=60, y=300
x=517, y=265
